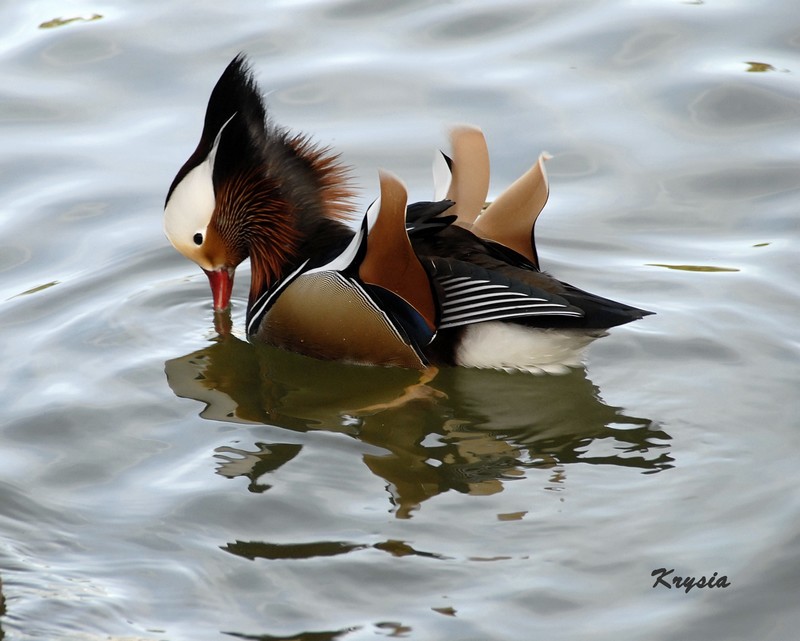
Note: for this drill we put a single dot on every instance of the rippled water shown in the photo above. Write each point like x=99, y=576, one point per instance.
x=157, y=482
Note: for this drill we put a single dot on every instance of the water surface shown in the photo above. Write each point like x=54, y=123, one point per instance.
x=158, y=482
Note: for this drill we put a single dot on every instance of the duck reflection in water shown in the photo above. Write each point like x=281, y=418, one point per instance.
x=466, y=430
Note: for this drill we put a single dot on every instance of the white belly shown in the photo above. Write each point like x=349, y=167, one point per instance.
x=506, y=346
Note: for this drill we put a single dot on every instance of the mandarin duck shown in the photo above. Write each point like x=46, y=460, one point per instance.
x=445, y=282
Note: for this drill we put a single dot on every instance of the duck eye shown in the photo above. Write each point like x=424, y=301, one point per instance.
x=198, y=238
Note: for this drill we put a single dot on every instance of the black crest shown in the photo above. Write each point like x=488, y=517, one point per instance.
x=235, y=100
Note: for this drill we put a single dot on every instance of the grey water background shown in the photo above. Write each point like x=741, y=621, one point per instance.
x=157, y=482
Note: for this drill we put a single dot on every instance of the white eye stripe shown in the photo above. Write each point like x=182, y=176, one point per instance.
x=212, y=155
x=191, y=204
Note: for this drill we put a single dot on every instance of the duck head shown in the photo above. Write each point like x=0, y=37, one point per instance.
x=250, y=190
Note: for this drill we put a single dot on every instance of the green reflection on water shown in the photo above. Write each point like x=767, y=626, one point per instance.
x=695, y=268
x=38, y=288
x=466, y=430
x=254, y=465
x=299, y=636
x=758, y=67
x=273, y=551
x=61, y=22
x=252, y=550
